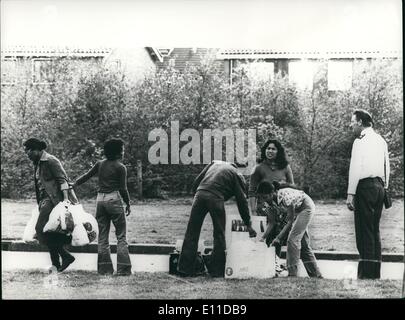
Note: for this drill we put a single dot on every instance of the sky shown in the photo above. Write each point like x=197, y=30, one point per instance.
x=272, y=24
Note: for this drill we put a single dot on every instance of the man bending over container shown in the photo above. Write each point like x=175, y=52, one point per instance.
x=218, y=182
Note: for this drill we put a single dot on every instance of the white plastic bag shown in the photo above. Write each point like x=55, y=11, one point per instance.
x=29, y=231
x=77, y=212
x=85, y=220
x=79, y=236
x=57, y=217
x=250, y=259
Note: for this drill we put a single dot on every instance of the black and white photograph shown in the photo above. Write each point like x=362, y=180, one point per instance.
x=191, y=151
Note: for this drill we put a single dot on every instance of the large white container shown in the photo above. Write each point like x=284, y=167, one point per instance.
x=250, y=259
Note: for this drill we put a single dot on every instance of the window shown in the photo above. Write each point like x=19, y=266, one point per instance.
x=43, y=71
x=8, y=71
x=260, y=71
x=115, y=65
x=339, y=75
x=301, y=74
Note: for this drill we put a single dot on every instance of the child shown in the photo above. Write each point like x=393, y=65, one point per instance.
x=299, y=211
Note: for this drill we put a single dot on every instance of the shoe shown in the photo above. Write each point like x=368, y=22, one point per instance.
x=189, y=275
x=279, y=266
x=123, y=274
x=185, y=275
x=66, y=263
x=53, y=269
x=216, y=275
x=282, y=274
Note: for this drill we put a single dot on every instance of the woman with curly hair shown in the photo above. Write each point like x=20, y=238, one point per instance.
x=112, y=194
x=273, y=166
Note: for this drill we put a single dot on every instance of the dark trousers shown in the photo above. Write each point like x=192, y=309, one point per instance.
x=53, y=240
x=368, y=207
x=203, y=203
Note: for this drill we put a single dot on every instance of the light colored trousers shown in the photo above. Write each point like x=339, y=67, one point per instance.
x=298, y=244
x=110, y=208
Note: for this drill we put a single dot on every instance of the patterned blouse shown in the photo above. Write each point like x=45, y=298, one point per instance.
x=278, y=213
x=290, y=196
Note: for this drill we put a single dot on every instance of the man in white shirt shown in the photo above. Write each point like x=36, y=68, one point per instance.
x=368, y=176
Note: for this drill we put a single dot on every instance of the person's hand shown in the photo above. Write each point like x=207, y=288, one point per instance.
x=252, y=232
x=262, y=239
x=128, y=210
x=350, y=202
x=275, y=242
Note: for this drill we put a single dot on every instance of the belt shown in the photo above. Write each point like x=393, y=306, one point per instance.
x=101, y=196
x=366, y=181
x=108, y=193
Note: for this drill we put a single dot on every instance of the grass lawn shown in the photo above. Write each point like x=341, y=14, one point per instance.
x=165, y=221
x=89, y=285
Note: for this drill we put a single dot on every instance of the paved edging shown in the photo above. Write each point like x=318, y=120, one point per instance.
x=144, y=248
x=7, y=245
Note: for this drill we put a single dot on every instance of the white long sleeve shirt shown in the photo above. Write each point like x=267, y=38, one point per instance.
x=369, y=159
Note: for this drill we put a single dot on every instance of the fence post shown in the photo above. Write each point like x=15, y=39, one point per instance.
x=139, y=178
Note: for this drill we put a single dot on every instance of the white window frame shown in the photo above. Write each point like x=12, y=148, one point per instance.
x=333, y=66
x=14, y=80
x=305, y=80
x=172, y=62
x=33, y=71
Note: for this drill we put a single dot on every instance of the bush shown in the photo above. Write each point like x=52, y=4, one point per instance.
x=84, y=107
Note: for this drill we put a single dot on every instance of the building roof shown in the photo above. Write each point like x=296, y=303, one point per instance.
x=287, y=54
x=31, y=51
x=159, y=53
x=179, y=58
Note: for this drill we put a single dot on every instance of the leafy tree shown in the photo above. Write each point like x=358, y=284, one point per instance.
x=87, y=104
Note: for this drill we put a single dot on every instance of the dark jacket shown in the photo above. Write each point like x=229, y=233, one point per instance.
x=53, y=177
x=222, y=179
